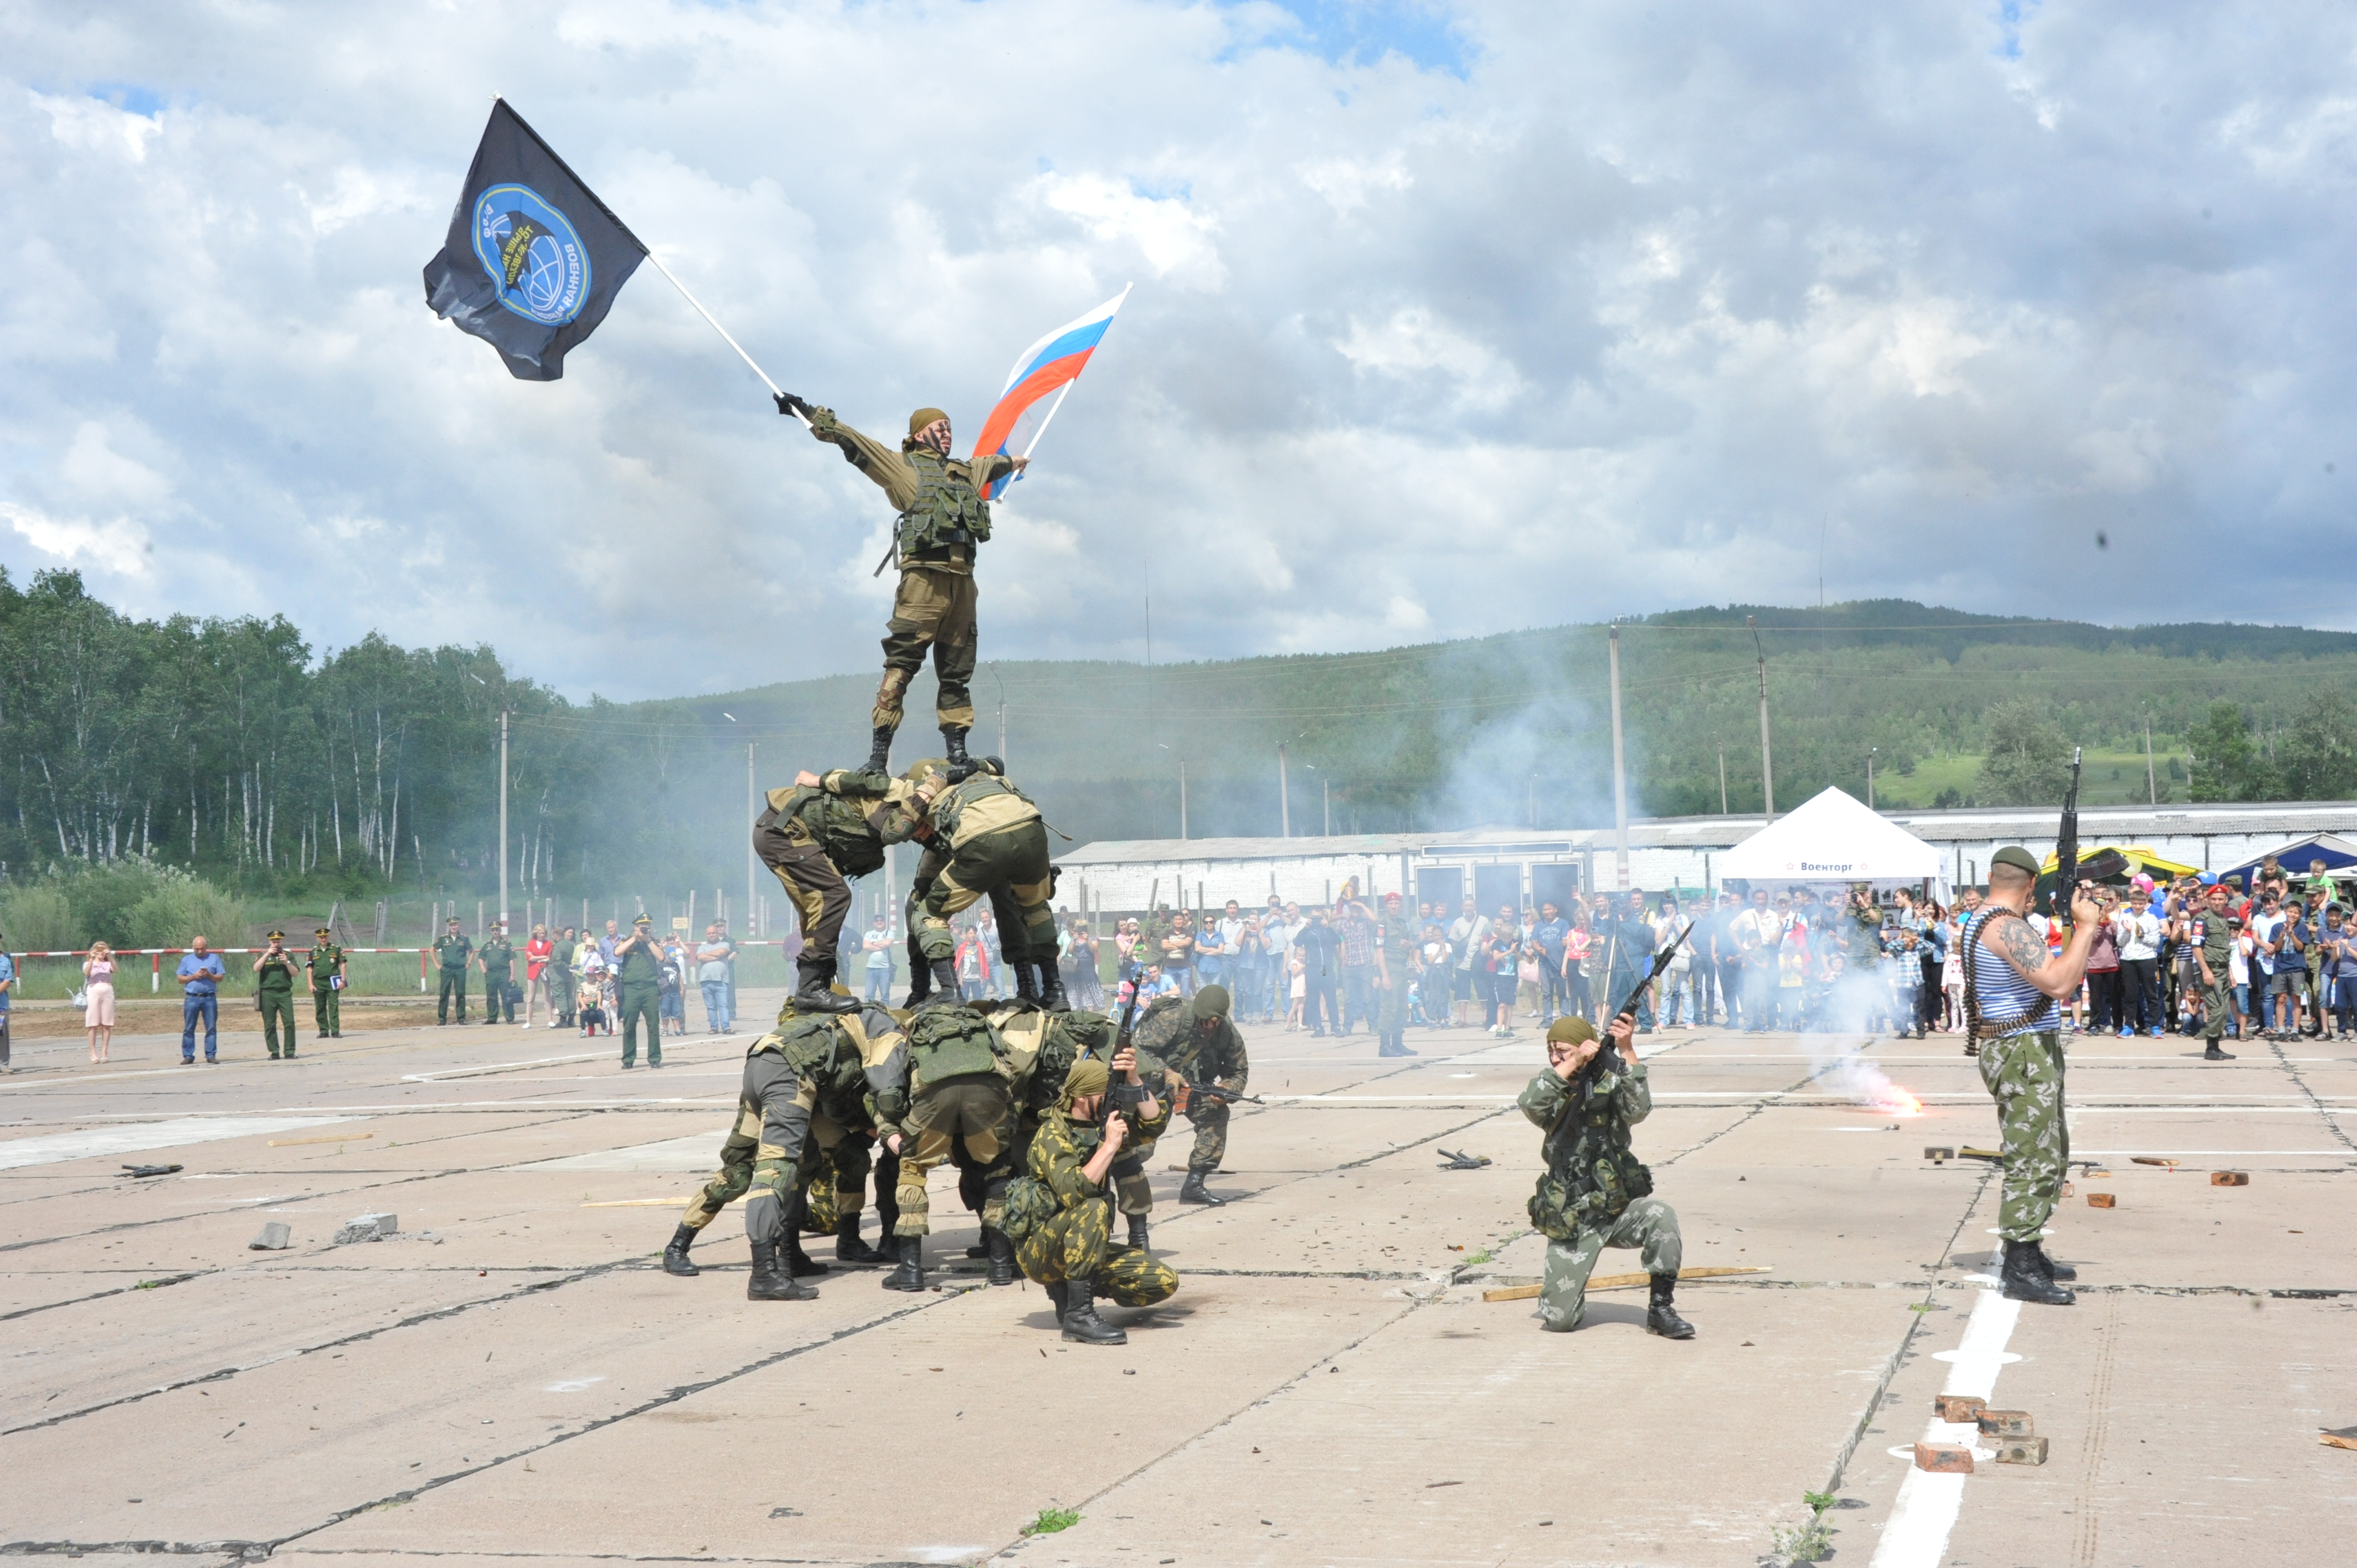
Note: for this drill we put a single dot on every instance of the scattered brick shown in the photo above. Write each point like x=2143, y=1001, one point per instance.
x=1960, y=1408
x=2229, y=1179
x=2102, y=1200
x=2021, y=1451
x=1943, y=1458
x=2006, y=1423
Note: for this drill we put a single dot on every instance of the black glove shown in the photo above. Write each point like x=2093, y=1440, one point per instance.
x=789, y=404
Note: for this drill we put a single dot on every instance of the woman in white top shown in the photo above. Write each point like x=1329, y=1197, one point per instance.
x=98, y=999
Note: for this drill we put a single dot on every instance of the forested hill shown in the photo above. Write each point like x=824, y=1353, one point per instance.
x=234, y=747
x=1517, y=727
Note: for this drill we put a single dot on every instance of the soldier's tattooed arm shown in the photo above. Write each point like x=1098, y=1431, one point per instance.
x=2057, y=975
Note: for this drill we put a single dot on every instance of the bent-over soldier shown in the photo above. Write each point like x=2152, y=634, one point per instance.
x=982, y=837
x=944, y=517
x=945, y=1082
x=813, y=836
x=1594, y=1193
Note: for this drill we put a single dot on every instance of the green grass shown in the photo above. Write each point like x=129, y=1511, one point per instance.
x=2109, y=779
x=1051, y=1520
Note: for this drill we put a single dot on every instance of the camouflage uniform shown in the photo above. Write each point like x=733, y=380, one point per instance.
x=943, y=1081
x=1595, y=1193
x=498, y=959
x=1398, y=947
x=2214, y=939
x=2024, y=1076
x=812, y=839
x=1173, y=1038
x=943, y=517
x=1076, y=1242
x=982, y=837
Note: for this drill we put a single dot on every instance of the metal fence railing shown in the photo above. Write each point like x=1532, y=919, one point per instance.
x=369, y=971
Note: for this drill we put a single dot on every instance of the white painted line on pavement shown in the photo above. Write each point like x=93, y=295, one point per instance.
x=140, y=1136
x=440, y=1074
x=1925, y=1512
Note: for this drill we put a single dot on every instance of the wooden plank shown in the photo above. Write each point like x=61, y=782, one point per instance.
x=639, y=1202
x=1621, y=1282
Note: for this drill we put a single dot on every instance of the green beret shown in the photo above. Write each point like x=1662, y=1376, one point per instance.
x=1211, y=1002
x=2020, y=859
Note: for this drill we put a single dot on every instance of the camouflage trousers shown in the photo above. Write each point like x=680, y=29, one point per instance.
x=1132, y=1194
x=1210, y=1115
x=2217, y=1007
x=1648, y=1224
x=2024, y=1075
x=932, y=612
x=762, y=1154
x=976, y=1110
x=736, y=1172
x=834, y=1175
x=1010, y=864
x=1078, y=1244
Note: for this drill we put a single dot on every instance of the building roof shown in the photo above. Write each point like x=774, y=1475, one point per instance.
x=1980, y=825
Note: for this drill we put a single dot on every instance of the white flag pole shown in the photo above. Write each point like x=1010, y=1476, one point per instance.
x=724, y=333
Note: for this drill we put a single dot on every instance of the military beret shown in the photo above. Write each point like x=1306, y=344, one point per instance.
x=2020, y=859
x=1570, y=1030
x=924, y=417
x=1211, y=1002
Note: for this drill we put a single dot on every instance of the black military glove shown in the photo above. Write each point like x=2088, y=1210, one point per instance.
x=789, y=404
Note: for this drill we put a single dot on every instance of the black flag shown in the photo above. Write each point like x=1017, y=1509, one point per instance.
x=534, y=259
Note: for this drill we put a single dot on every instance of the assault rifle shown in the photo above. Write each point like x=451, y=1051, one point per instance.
x=1125, y=1098
x=1606, y=1058
x=2066, y=846
x=1186, y=1091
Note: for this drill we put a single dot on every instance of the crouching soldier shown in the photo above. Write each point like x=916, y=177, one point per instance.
x=1060, y=1214
x=1594, y=1193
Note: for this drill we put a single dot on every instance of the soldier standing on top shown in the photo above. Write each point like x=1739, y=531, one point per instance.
x=274, y=984
x=327, y=978
x=945, y=516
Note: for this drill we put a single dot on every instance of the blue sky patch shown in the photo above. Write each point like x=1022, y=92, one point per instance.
x=1360, y=32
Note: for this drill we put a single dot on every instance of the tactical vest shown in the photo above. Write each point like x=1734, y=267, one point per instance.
x=948, y=514
x=950, y=1041
x=1592, y=1175
x=960, y=797
x=835, y=824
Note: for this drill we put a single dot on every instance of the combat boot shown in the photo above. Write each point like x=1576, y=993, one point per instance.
x=1002, y=1256
x=911, y=1273
x=1027, y=985
x=945, y=985
x=1662, y=1318
x=675, y=1255
x=848, y=1247
x=1080, y=1320
x=954, y=753
x=2049, y=1267
x=1059, y=1295
x=817, y=993
x=1052, y=989
x=2025, y=1280
x=2215, y=1055
x=888, y=1213
x=1193, y=1191
x=1137, y=1231
x=879, y=750
x=770, y=1283
x=799, y=1264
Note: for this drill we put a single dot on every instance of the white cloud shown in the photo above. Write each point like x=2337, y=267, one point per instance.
x=1612, y=315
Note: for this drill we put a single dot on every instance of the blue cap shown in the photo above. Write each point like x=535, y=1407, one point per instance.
x=2208, y=878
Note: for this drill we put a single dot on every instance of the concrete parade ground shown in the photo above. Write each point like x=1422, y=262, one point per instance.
x=512, y=1376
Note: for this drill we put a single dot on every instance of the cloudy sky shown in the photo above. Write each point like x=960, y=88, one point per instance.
x=1450, y=318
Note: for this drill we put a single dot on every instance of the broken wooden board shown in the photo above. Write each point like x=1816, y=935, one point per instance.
x=1619, y=1282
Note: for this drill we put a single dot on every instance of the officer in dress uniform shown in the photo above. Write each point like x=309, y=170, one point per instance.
x=328, y=968
x=943, y=517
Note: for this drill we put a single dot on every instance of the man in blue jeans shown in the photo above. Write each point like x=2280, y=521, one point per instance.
x=8, y=984
x=199, y=976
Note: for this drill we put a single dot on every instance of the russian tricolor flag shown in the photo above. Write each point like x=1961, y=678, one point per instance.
x=1054, y=361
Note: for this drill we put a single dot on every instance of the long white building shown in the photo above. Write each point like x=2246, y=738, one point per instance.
x=1501, y=865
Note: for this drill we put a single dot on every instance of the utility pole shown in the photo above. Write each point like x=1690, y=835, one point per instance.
x=752, y=810
x=1284, y=796
x=1619, y=776
x=1326, y=785
x=1722, y=781
x=1183, y=800
x=1766, y=767
x=2151, y=780
x=1869, y=776
x=1002, y=728
x=503, y=817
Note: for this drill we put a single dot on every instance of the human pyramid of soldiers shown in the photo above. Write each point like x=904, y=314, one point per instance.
x=1049, y=1113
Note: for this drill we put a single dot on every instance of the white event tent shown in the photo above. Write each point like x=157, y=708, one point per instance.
x=1833, y=838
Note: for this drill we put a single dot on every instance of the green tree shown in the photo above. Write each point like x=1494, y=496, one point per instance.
x=2028, y=759
x=2227, y=765
x=2317, y=757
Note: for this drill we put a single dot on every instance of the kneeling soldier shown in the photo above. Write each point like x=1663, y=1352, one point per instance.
x=1059, y=1215
x=1595, y=1193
